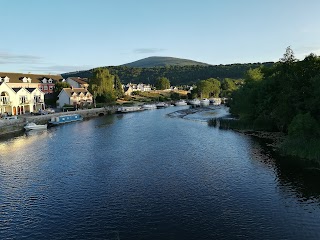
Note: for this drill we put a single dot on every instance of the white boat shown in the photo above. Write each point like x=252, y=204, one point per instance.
x=194, y=102
x=33, y=126
x=162, y=105
x=129, y=109
x=204, y=102
x=149, y=106
x=180, y=103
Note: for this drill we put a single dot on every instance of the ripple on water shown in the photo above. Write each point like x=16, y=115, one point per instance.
x=150, y=176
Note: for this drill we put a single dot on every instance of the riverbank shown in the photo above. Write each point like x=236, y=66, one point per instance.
x=307, y=149
x=16, y=125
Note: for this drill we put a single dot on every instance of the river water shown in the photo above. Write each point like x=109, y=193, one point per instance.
x=148, y=175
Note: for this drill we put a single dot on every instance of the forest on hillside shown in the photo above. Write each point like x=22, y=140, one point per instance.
x=177, y=75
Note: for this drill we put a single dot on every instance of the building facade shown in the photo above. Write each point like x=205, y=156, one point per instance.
x=20, y=100
x=77, y=97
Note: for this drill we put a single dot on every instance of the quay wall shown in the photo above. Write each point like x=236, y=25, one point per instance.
x=16, y=125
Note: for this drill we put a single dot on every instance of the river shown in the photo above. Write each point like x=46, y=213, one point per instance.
x=148, y=175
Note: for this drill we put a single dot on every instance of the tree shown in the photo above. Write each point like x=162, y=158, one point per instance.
x=288, y=56
x=118, y=87
x=208, y=88
x=228, y=86
x=58, y=86
x=162, y=83
x=253, y=75
x=101, y=85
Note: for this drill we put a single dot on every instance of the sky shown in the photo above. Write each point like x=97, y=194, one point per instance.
x=58, y=36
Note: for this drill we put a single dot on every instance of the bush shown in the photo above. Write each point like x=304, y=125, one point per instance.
x=304, y=126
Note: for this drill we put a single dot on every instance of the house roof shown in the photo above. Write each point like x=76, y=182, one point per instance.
x=35, y=78
x=70, y=91
x=79, y=80
x=31, y=89
x=16, y=89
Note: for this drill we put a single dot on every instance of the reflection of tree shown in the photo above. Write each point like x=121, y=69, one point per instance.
x=296, y=176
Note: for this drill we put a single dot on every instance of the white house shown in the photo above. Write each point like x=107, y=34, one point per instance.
x=20, y=100
x=78, y=97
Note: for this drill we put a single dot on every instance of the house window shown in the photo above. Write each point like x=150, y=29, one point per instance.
x=22, y=99
x=45, y=88
x=51, y=87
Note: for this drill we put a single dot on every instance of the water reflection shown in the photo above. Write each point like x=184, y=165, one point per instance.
x=294, y=175
x=149, y=176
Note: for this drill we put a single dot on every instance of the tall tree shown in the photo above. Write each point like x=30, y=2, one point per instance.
x=288, y=56
x=118, y=87
x=101, y=85
x=162, y=83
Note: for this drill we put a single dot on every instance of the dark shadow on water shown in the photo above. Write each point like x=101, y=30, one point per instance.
x=297, y=175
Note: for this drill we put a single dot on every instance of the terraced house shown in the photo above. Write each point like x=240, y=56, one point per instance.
x=20, y=100
x=21, y=93
x=77, y=97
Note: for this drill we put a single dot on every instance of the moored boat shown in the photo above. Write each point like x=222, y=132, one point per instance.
x=129, y=109
x=162, y=105
x=194, y=102
x=33, y=126
x=65, y=119
x=204, y=102
x=180, y=103
x=149, y=106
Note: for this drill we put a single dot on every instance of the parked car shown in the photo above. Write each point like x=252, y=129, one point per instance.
x=50, y=110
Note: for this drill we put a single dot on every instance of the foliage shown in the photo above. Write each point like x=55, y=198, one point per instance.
x=58, y=86
x=286, y=97
x=304, y=126
x=208, y=88
x=178, y=75
x=118, y=87
x=254, y=75
x=228, y=85
x=162, y=83
x=102, y=85
x=175, y=96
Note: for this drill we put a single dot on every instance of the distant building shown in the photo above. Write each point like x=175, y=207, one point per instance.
x=42, y=81
x=78, y=97
x=130, y=87
x=78, y=82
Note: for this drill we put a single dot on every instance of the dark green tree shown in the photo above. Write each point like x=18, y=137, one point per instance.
x=58, y=86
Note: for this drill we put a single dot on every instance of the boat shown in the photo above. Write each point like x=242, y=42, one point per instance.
x=215, y=101
x=129, y=109
x=149, y=106
x=162, y=105
x=194, y=102
x=33, y=126
x=180, y=103
x=65, y=119
x=204, y=102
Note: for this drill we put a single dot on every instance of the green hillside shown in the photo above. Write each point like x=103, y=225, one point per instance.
x=163, y=62
x=177, y=74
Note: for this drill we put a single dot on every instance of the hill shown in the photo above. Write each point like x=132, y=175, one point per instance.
x=177, y=75
x=163, y=62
